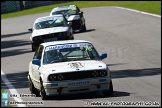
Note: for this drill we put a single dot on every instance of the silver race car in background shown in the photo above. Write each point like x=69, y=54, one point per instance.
x=72, y=14
x=50, y=28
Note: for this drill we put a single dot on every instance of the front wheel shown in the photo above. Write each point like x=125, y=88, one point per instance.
x=33, y=47
x=110, y=91
x=83, y=28
x=33, y=90
x=71, y=36
x=43, y=93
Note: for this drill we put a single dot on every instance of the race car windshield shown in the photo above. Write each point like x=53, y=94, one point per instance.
x=70, y=52
x=56, y=22
x=67, y=13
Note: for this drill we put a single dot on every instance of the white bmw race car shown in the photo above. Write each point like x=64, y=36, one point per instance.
x=50, y=28
x=68, y=67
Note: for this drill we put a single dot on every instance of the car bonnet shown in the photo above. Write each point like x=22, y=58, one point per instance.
x=75, y=66
x=49, y=31
x=73, y=17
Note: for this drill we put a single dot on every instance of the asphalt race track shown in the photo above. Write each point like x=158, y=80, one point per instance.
x=133, y=44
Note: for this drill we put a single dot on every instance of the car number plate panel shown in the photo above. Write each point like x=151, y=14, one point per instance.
x=79, y=83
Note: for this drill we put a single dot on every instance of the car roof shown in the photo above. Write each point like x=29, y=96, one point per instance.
x=63, y=8
x=37, y=20
x=63, y=42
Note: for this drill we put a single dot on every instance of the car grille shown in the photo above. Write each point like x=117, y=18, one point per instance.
x=77, y=75
x=76, y=24
x=59, y=36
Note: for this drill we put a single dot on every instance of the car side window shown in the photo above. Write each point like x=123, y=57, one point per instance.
x=38, y=53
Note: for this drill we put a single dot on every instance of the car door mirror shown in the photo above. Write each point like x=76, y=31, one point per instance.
x=30, y=29
x=81, y=12
x=36, y=62
x=69, y=23
x=103, y=56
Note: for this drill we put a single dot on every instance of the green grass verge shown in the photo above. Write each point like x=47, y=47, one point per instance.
x=147, y=6
x=2, y=90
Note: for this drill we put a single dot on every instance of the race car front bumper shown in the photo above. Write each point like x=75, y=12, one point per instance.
x=51, y=37
x=78, y=86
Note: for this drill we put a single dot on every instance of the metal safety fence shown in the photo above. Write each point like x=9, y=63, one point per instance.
x=10, y=6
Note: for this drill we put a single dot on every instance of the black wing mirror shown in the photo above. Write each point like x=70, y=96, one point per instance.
x=69, y=23
x=30, y=29
x=81, y=12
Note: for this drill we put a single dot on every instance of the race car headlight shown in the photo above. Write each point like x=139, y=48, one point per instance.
x=52, y=78
x=37, y=38
x=64, y=34
x=103, y=73
x=95, y=73
x=60, y=34
x=60, y=77
x=99, y=73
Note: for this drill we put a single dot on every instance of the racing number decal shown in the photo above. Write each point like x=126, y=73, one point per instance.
x=61, y=19
x=73, y=9
x=88, y=48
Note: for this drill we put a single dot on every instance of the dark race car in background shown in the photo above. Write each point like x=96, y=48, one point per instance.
x=72, y=14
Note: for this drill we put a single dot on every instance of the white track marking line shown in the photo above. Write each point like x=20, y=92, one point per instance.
x=138, y=11
x=132, y=10
x=12, y=89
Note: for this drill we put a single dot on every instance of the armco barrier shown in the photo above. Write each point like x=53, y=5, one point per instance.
x=10, y=6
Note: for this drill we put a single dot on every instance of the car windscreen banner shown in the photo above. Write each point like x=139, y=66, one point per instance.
x=86, y=45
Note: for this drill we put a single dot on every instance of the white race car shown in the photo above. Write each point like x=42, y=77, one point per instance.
x=68, y=67
x=50, y=28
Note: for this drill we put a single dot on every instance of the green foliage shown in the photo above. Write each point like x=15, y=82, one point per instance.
x=147, y=6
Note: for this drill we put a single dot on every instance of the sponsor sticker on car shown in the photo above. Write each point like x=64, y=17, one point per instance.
x=46, y=19
x=79, y=83
x=73, y=9
x=68, y=46
x=76, y=65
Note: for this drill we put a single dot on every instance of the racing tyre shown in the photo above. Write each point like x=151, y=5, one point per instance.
x=42, y=91
x=33, y=90
x=84, y=28
x=33, y=47
x=110, y=91
x=72, y=38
